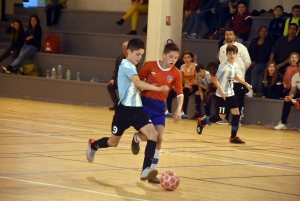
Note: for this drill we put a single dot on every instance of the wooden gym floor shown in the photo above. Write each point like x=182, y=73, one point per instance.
x=42, y=157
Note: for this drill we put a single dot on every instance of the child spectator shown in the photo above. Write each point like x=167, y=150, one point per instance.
x=33, y=37
x=189, y=77
x=288, y=102
x=242, y=22
x=259, y=51
x=295, y=19
x=276, y=25
x=212, y=68
x=16, y=32
x=290, y=71
x=272, y=84
x=54, y=6
x=138, y=7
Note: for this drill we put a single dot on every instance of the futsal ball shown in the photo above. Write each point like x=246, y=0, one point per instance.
x=169, y=180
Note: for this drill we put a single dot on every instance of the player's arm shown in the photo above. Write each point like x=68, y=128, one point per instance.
x=145, y=86
x=145, y=71
x=216, y=82
x=291, y=94
x=237, y=78
x=178, y=88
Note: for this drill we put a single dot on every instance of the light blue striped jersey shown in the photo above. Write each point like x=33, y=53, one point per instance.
x=206, y=80
x=128, y=92
x=226, y=73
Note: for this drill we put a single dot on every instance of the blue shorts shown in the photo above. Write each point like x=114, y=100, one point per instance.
x=155, y=109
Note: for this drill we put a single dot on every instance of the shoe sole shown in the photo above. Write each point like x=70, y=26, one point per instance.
x=153, y=182
x=86, y=154
x=222, y=123
x=151, y=175
x=134, y=151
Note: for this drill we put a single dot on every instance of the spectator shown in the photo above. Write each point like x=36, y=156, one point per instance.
x=33, y=37
x=276, y=25
x=242, y=22
x=16, y=32
x=138, y=7
x=189, y=7
x=295, y=19
x=54, y=6
x=204, y=12
x=112, y=85
x=272, y=84
x=288, y=100
x=243, y=60
x=290, y=71
x=259, y=50
x=284, y=47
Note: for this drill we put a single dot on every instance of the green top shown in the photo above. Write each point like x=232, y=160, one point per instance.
x=62, y=2
x=287, y=22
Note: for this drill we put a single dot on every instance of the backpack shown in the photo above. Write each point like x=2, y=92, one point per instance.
x=29, y=69
x=51, y=44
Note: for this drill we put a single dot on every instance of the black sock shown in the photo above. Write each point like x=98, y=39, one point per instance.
x=102, y=143
x=214, y=119
x=207, y=109
x=149, y=153
x=198, y=103
x=235, y=125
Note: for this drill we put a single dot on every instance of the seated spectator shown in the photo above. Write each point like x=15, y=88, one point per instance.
x=272, y=84
x=276, y=25
x=212, y=68
x=189, y=77
x=54, y=6
x=290, y=72
x=284, y=47
x=33, y=37
x=242, y=22
x=203, y=12
x=288, y=100
x=138, y=7
x=295, y=19
x=16, y=32
x=259, y=51
x=189, y=7
x=112, y=85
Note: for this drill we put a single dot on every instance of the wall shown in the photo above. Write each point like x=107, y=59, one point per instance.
x=9, y=7
x=270, y=4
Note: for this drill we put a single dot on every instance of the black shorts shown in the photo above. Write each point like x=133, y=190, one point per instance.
x=126, y=116
x=223, y=105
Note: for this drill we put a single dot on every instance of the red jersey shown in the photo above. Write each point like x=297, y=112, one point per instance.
x=154, y=74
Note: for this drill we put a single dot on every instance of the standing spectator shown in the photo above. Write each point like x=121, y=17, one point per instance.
x=290, y=71
x=112, y=85
x=54, y=6
x=16, y=32
x=284, y=47
x=276, y=25
x=189, y=7
x=272, y=84
x=242, y=22
x=243, y=60
x=138, y=7
x=288, y=102
x=259, y=50
x=33, y=37
x=295, y=19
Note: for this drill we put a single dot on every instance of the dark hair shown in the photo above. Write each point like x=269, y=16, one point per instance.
x=262, y=27
x=294, y=24
x=241, y=2
x=199, y=67
x=279, y=6
x=16, y=33
x=135, y=44
x=38, y=23
x=189, y=53
x=295, y=7
x=169, y=47
x=231, y=48
x=230, y=30
x=212, y=66
x=274, y=77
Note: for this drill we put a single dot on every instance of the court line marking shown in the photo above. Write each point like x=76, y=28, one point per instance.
x=70, y=188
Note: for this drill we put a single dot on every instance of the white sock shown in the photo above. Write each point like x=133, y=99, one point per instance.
x=137, y=139
x=155, y=159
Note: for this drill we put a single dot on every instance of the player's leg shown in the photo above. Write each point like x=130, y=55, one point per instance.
x=235, y=121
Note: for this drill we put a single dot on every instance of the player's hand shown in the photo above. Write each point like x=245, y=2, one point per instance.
x=164, y=88
x=287, y=99
x=111, y=82
x=231, y=10
x=249, y=87
x=223, y=95
x=177, y=116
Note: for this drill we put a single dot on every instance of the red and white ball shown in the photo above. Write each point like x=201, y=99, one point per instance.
x=169, y=180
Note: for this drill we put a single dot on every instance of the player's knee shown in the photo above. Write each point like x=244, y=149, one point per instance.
x=159, y=139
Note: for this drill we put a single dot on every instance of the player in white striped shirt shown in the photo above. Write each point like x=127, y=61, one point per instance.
x=226, y=99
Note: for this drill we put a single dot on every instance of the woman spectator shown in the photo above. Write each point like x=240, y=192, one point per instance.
x=33, y=37
x=272, y=84
x=259, y=50
x=16, y=32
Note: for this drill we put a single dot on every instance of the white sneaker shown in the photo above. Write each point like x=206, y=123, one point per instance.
x=148, y=173
x=183, y=116
x=281, y=126
x=90, y=153
x=168, y=114
x=223, y=122
x=250, y=93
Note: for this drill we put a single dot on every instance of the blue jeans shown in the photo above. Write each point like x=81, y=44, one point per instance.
x=194, y=21
x=26, y=51
x=257, y=77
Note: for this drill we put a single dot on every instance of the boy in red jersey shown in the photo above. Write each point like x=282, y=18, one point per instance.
x=159, y=73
